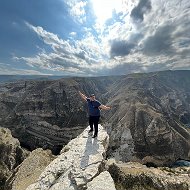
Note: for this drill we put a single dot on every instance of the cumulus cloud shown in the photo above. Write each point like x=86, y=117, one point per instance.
x=160, y=42
x=77, y=10
x=138, y=12
x=9, y=70
x=120, y=48
x=146, y=36
x=71, y=57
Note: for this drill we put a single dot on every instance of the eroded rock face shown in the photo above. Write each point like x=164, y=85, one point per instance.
x=149, y=120
x=29, y=170
x=48, y=114
x=11, y=155
x=81, y=160
x=145, y=123
x=133, y=176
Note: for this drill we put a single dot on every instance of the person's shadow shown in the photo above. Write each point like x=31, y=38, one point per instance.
x=91, y=148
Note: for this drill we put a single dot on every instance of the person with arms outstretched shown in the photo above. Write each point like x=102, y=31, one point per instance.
x=94, y=107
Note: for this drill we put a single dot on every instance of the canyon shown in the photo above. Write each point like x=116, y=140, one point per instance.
x=149, y=120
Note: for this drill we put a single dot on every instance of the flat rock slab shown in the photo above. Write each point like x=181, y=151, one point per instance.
x=80, y=161
x=102, y=182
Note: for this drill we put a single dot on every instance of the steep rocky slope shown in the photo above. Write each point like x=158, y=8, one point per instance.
x=48, y=114
x=150, y=117
x=149, y=120
x=82, y=165
x=11, y=155
x=29, y=170
x=133, y=176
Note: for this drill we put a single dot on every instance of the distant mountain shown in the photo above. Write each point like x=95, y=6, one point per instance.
x=149, y=120
x=13, y=78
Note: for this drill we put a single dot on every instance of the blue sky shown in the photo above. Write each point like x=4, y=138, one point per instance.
x=93, y=37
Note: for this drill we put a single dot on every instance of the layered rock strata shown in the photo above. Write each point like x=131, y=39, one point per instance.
x=149, y=120
x=48, y=114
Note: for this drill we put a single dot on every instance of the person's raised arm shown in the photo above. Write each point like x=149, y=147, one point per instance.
x=82, y=96
x=104, y=107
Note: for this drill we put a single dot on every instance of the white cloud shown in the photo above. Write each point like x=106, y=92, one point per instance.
x=8, y=70
x=73, y=33
x=161, y=40
x=77, y=10
x=80, y=56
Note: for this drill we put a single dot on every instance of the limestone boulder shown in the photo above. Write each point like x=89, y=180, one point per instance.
x=103, y=181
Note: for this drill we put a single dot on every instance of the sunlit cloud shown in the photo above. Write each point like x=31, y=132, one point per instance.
x=74, y=58
x=77, y=10
x=10, y=70
x=121, y=37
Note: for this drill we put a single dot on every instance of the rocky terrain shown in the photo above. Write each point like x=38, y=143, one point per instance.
x=133, y=176
x=78, y=165
x=82, y=165
x=149, y=120
x=47, y=114
x=11, y=155
x=29, y=170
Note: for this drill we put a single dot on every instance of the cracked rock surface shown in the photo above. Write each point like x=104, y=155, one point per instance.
x=11, y=155
x=80, y=161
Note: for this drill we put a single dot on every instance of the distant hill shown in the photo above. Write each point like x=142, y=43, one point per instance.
x=13, y=78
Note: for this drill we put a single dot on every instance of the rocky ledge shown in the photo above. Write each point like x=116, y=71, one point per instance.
x=29, y=170
x=11, y=155
x=79, y=166
x=134, y=176
x=82, y=165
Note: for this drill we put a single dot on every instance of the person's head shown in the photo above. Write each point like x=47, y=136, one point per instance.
x=92, y=97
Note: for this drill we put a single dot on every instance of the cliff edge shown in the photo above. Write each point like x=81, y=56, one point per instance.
x=81, y=161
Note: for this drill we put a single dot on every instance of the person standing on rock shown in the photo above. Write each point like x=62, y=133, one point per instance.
x=94, y=107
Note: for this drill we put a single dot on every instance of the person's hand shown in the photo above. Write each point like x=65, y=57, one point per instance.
x=108, y=107
x=80, y=93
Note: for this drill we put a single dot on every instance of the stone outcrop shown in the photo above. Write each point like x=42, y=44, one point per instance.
x=103, y=181
x=11, y=155
x=133, y=176
x=149, y=118
x=78, y=165
x=29, y=170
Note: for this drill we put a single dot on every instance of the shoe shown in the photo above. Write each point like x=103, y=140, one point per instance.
x=94, y=136
x=90, y=131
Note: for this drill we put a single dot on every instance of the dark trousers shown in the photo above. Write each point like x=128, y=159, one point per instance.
x=93, y=120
